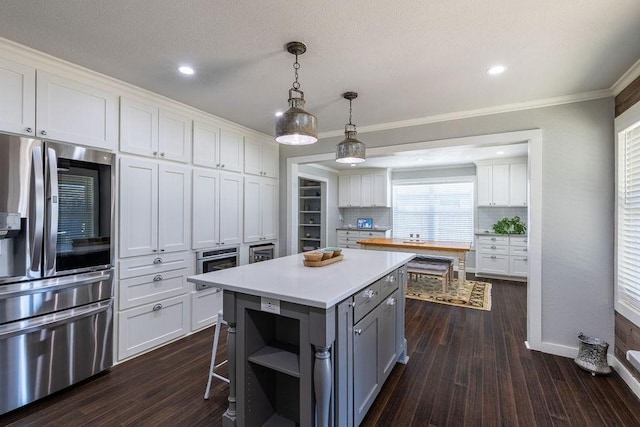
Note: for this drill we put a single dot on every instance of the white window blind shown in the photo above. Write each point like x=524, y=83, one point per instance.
x=628, y=224
x=78, y=208
x=436, y=211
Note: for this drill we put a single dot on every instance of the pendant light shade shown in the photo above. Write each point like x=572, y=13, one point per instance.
x=295, y=126
x=350, y=150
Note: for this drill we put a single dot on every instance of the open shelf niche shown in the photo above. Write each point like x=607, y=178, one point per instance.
x=312, y=214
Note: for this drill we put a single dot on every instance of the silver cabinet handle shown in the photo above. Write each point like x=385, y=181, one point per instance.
x=525, y=259
x=524, y=250
x=369, y=293
x=222, y=165
x=28, y=130
x=157, y=278
x=161, y=250
x=217, y=165
x=493, y=239
x=157, y=260
x=155, y=153
x=391, y=278
x=358, y=331
x=391, y=301
x=43, y=132
x=493, y=257
x=352, y=304
x=161, y=154
x=157, y=307
x=493, y=246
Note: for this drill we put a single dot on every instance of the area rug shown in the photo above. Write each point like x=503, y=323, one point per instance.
x=472, y=294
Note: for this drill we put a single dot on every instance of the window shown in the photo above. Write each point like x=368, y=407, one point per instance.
x=78, y=209
x=628, y=222
x=435, y=210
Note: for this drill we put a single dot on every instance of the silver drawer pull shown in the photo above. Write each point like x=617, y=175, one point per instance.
x=157, y=278
x=157, y=307
x=391, y=301
x=525, y=259
x=352, y=304
x=524, y=250
x=391, y=278
x=493, y=239
x=358, y=331
x=157, y=260
x=493, y=246
x=369, y=293
x=493, y=257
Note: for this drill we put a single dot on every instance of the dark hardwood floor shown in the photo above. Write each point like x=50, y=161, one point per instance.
x=466, y=367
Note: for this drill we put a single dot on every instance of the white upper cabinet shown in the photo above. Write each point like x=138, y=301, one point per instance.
x=18, y=99
x=149, y=131
x=217, y=147
x=260, y=209
x=349, y=191
x=70, y=111
x=368, y=189
x=217, y=209
x=154, y=207
x=260, y=157
x=502, y=184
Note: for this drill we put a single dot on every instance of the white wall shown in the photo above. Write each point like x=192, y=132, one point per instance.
x=577, y=205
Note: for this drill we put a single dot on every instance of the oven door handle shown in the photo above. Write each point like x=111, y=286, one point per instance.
x=48, y=321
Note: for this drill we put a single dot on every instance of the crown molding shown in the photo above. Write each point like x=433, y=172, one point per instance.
x=547, y=102
x=627, y=78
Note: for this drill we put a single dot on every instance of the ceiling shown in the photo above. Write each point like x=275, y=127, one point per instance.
x=408, y=60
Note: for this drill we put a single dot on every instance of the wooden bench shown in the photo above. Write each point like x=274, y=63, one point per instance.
x=437, y=267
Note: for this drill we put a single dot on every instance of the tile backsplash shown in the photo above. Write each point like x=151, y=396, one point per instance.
x=381, y=216
x=487, y=216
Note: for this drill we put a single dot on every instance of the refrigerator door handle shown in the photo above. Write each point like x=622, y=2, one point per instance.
x=36, y=209
x=52, y=213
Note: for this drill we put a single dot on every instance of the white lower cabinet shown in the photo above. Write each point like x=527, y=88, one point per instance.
x=154, y=301
x=348, y=238
x=144, y=327
x=501, y=256
x=205, y=305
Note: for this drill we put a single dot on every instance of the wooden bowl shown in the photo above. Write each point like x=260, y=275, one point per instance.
x=313, y=256
x=326, y=254
x=336, y=251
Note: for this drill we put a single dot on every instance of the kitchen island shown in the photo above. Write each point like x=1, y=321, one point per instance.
x=428, y=247
x=311, y=345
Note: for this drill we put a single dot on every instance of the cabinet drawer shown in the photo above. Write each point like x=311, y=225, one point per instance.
x=495, y=264
x=366, y=300
x=150, y=325
x=347, y=233
x=153, y=264
x=518, y=241
x=150, y=288
x=519, y=266
x=388, y=284
x=490, y=248
x=372, y=234
x=518, y=250
x=503, y=240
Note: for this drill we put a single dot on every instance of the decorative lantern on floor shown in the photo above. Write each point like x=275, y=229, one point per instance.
x=592, y=355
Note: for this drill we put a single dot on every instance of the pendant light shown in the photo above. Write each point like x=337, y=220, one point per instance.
x=295, y=126
x=350, y=150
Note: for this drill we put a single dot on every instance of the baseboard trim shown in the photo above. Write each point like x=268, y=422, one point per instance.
x=626, y=376
x=555, y=349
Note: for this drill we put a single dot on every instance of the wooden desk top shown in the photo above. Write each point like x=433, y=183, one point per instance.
x=424, y=244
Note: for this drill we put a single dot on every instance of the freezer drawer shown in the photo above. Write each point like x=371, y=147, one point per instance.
x=45, y=354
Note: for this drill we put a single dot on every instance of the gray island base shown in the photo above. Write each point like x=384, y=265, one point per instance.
x=311, y=346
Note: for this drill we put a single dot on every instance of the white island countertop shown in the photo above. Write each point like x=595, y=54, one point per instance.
x=287, y=279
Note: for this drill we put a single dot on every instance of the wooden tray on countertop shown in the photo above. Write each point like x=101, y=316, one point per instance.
x=323, y=263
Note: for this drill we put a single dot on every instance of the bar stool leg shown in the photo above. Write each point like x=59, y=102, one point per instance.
x=214, y=350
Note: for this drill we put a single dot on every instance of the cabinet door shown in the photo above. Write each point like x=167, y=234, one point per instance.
x=205, y=305
x=269, y=209
x=343, y=191
x=230, y=209
x=367, y=190
x=138, y=207
x=252, y=228
x=492, y=264
x=231, y=150
x=518, y=266
x=484, y=174
x=18, y=99
x=355, y=190
x=138, y=128
x=206, y=144
x=252, y=156
x=174, y=213
x=204, y=225
x=147, y=289
x=269, y=160
x=174, y=136
x=380, y=190
x=500, y=185
x=74, y=112
x=147, y=326
x=388, y=319
x=366, y=382
x=518, y=184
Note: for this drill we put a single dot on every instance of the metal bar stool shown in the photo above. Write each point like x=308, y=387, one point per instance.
x=214, y=350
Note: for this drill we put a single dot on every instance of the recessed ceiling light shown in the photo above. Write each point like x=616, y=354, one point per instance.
x=186, y=70
x=496, y=69
x=499, y=152
x=279, y=113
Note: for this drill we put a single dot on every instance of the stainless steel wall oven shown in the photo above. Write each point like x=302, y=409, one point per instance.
x=56, y=274
x=214, y=260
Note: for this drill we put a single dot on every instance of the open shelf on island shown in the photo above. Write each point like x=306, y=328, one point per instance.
x=278, y=356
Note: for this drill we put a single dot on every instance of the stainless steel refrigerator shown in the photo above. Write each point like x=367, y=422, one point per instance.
x=56, y=267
